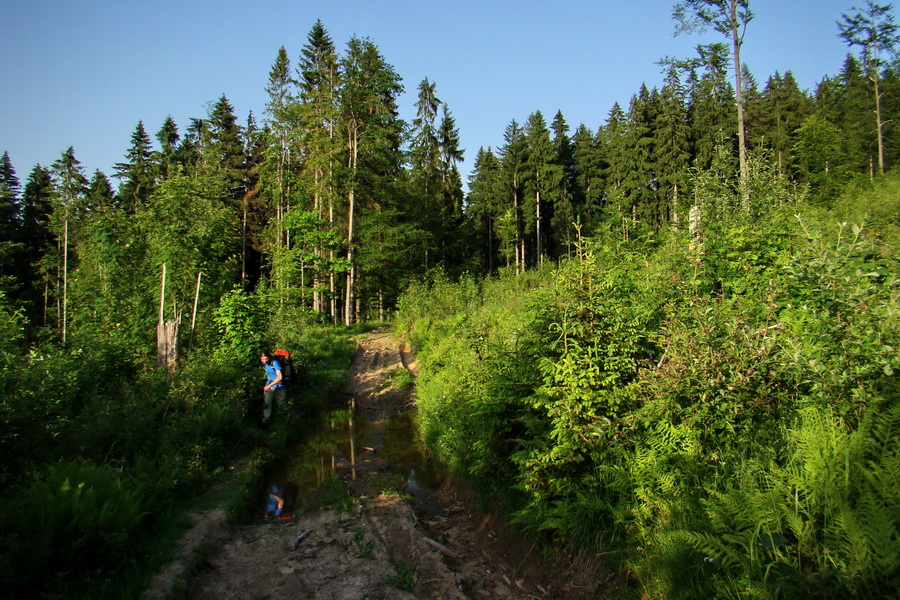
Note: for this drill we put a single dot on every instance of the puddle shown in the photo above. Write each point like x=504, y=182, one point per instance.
x=342, y=442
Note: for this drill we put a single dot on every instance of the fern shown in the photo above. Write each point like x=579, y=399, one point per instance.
x=828, y=515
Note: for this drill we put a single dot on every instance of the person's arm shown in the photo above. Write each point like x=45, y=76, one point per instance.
x=277, y=366
x=280, y=502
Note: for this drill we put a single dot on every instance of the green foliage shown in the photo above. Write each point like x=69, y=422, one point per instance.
x=721, y=416
x=401, y=378
x=239, y=322
x=142, y=440
x=823, y=524
x=406, y=578
x=74, y=518
x=12, y=326
x=363, y=546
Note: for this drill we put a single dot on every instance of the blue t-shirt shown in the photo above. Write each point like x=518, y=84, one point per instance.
x=270, y=373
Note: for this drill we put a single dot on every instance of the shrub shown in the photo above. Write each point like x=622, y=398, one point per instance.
x=76, y=517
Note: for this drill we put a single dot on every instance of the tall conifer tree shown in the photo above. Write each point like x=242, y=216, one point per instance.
x=542, y=181
x=729, y=18
x=484, y=203
x=11, y=248
x=319, y=79
x=513, y=161
x=70, y=186
x=371, y=130
x=138, y=171
x=37, y=238
x=563, y=219
x=168, y=138
x=588, y=176
x=451, y=192
x=873, y=29
x=672, y=144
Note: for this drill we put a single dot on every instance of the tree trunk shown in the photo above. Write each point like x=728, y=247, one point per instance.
x=65, y=294
x=166, y=332
x=738, y=87
x=351, y=201
x=540, y=249
x=879, y=125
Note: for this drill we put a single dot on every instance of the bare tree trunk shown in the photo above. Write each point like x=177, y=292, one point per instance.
x=540, y=249
x=879, y=125
x=739, y=92
x=194, y=312
x=65, y=300
x=166, y=332
x=351, y=200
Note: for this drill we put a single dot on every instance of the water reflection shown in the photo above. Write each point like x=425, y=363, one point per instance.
x=341, y=441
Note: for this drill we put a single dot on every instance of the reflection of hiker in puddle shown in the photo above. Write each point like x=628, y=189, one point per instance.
x=280, y=502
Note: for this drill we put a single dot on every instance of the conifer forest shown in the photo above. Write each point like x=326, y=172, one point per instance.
x=670, y=344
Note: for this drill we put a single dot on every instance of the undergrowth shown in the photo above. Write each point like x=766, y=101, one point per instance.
x=716, y=408
x=102, y=457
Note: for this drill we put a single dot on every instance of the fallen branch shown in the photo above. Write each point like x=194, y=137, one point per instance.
x=442, y=548
x=301, y=537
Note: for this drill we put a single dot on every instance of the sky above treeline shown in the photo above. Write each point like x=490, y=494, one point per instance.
x=83, y=74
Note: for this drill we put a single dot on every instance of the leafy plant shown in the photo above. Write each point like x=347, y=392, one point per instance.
x=364, y=547
x=406, y=578
x=76, y=517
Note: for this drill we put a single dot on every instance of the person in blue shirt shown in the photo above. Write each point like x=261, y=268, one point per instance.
x=276, y=502
x=274, y=388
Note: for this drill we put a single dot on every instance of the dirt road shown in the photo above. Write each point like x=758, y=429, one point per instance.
x=383, y=543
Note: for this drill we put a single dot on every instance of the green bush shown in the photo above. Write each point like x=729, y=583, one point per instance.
x=714, y=408
x=76, y=518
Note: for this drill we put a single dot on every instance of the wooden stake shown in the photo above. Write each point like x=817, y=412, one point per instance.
x=194, y=313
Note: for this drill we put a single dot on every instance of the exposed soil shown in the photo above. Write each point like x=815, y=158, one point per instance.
x=387, y=545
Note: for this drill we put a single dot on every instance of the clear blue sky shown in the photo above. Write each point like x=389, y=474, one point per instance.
x=83, y=73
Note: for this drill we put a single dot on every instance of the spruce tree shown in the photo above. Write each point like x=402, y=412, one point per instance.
x=138, y=171
x=542, y=176
x=318, y=121
x=451, y=192
x=251, y=220
x=640, y=181
x=611, y=137
x=512, y=159
x=10, y=208
x=671, y=132
x=873, y=29
x=729, y=18
x=426, y=172
x=563, y=221
x=36, y=238
x=69, y=214
x=168, y=138
x=223, y=151
x=784, y=108
x=588, y=171
x=278, y=170
x=11, y=248
x=372, y=132
x=484, y=204
x=844, y=101
x=100, y=193
x=712, y=122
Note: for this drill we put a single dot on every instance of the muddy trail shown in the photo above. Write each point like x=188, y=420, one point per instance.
x=387, y=539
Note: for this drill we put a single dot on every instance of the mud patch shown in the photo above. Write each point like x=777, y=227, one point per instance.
x=391, y=533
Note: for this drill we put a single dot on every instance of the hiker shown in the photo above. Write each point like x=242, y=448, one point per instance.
x=274, y=388
x=276, y=503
